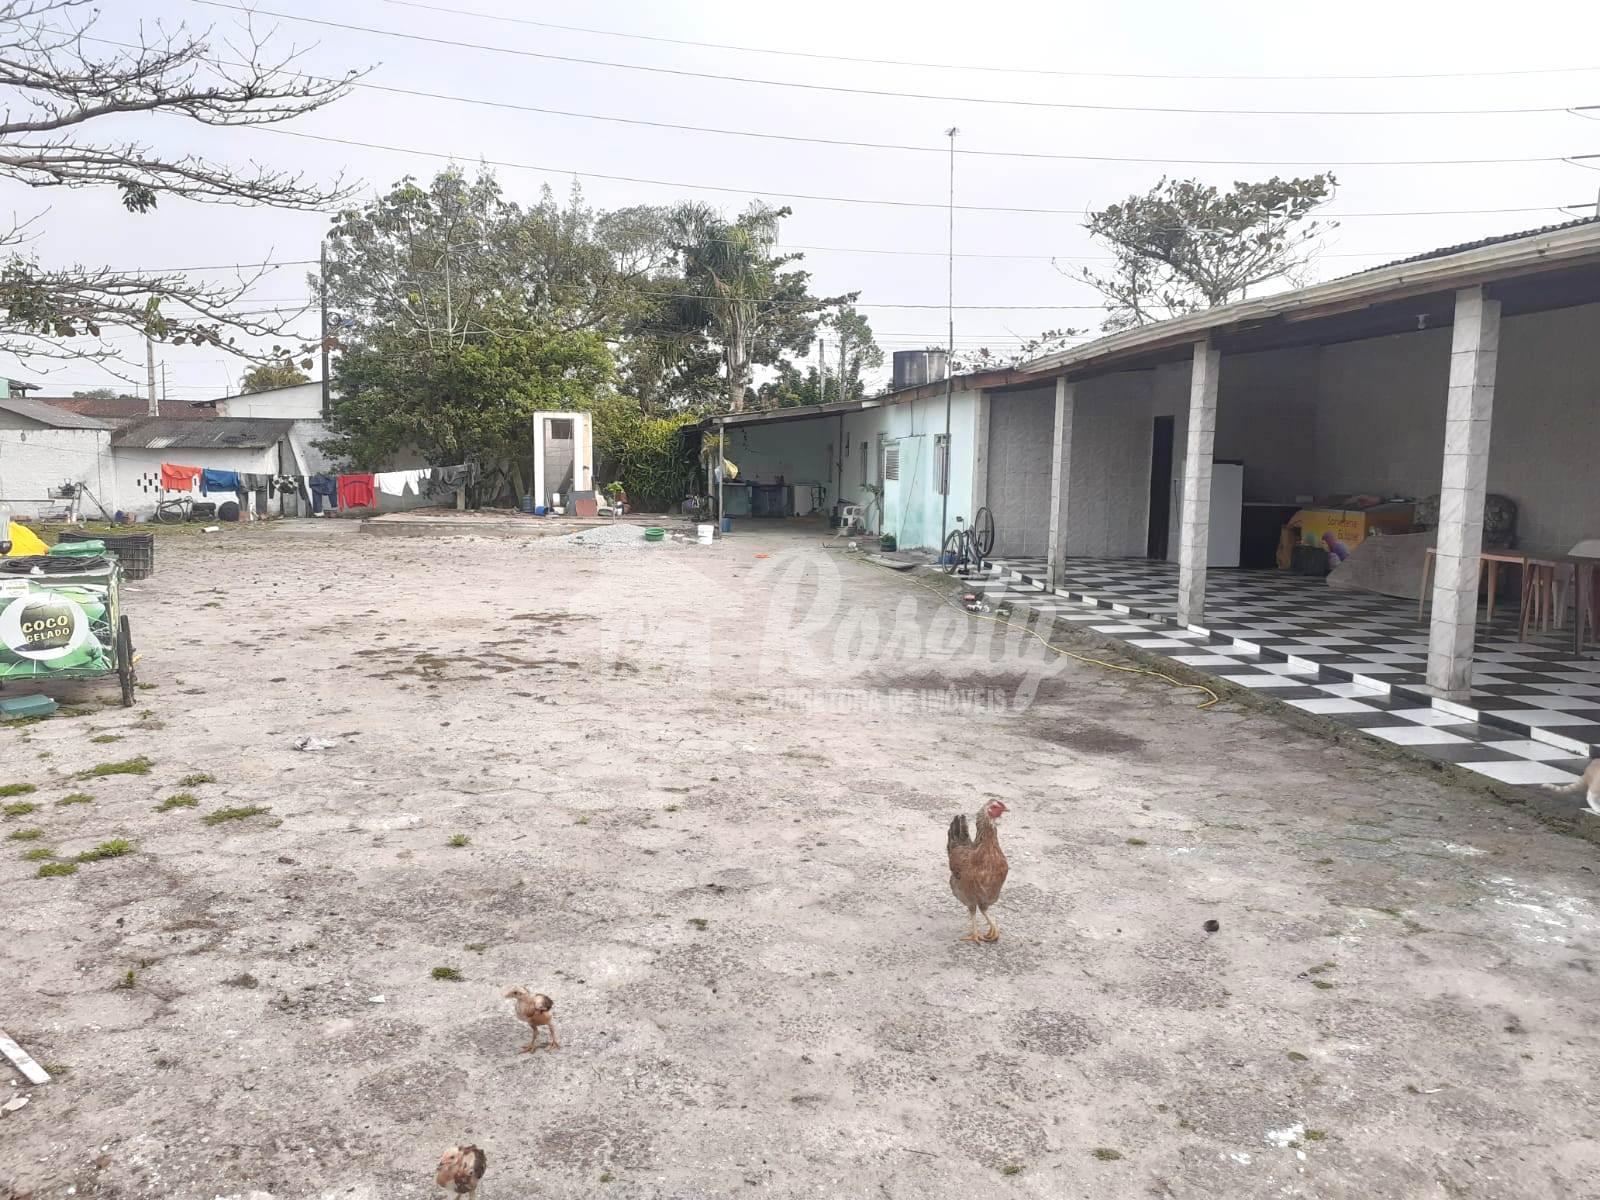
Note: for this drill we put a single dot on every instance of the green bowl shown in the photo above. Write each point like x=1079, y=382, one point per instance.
x=654, y=534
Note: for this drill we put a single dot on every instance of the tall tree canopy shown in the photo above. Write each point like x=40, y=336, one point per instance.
x=263, y=377
x=73, y=108
x=1185, y=245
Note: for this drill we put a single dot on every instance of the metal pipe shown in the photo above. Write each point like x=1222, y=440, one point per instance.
x=950, y=352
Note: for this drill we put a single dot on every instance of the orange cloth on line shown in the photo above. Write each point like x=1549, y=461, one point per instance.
x=178, y=479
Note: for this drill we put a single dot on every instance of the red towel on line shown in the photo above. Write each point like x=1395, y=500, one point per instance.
x=178, y=479
x=355, y=491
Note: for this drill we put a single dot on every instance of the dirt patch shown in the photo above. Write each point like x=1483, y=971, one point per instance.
x=1085, y=736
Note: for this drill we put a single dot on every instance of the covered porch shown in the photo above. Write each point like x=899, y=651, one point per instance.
x=1531, y=715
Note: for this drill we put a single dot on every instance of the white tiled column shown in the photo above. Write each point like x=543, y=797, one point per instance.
x=1060, y=471
x=1474, y=349
x=1195, y=527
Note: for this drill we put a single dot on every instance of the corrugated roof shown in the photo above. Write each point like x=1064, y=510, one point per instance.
x=244, y=433
x=1490, y=260
x=49, y=414
x=120, y=410
x=1463, y=247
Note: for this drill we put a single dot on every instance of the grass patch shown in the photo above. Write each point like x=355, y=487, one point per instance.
x=1137, y=842
x=17, y=789
x=76, y=798
x=25, y=835
x=699, y=922
x=458, y=840
x=128, y=980
x=1296, y=1057
x=241, y=813
x=1012, y=1169
x=671, y=808
x=1106, y=1153
x=114, y=848
x=101, y=739
x=1322, y=983
x=128, y=766
x=1323, y=862
x=38, y=854
x=48, y=869
x=584, y=820
x=242, y=980
x=197, y=779
x=74, y=710
x=145, y=687
x=449, y=975
x=20, y=808
x=178, y=800
x=477, y=947
x=1316, y=1135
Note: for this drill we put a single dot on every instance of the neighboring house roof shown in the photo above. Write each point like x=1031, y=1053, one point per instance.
x=240, y=433
x=288, y=387
x=17, y=385
x=48, y=414
x=119, y=410
x=1490, y=260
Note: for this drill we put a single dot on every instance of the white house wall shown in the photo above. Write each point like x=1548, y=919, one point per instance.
x=35, y=461
x=1021, y=433
x=303, y=401
x=139, y=472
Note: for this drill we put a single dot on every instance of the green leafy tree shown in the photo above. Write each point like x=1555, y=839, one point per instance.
x=467, y=402
x=265, y=376
x=1185, y=245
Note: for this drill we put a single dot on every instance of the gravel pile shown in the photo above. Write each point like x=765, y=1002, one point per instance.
x=609, y=537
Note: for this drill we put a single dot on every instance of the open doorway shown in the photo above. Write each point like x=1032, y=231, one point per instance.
x=1160, y=487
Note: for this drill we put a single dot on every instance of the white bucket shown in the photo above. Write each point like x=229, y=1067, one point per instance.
x=707, y=533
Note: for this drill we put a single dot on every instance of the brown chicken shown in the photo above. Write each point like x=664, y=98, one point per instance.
x=978, y=868
x=534, y=1008
x=461, y=1168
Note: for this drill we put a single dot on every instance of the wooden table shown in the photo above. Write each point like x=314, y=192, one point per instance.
x=1494, y=559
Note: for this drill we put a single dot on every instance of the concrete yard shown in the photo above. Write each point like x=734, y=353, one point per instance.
x=705, y=793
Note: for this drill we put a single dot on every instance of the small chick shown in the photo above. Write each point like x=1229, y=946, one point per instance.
x=461, y=1168
x=534, y=1008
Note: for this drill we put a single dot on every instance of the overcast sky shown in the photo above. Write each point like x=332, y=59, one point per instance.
x=1005, y=258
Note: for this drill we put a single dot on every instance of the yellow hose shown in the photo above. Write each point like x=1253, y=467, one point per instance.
x=1051, y=646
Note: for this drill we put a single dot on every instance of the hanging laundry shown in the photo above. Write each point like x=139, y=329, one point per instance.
x=393, y=483
x=252, y=481
x=355, y=491
x=323, y=487
x=218, y=481
x=178, y=479
x=446, y=480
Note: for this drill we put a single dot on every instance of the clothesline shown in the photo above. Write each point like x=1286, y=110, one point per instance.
x=358, y=489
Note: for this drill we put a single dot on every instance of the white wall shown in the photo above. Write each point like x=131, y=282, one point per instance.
x=302, y=401
x=33, y=461
x=139, y=472
x=1020, y=436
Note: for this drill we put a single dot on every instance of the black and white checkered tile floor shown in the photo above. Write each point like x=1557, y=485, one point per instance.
x=1533, y=716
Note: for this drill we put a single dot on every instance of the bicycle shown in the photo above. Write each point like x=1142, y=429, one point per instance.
x=176, y=510
x=960, y=551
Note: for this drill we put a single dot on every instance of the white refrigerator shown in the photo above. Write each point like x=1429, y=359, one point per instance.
x=1227, y=515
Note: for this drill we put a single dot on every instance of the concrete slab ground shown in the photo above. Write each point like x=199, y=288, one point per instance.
x=699, y=796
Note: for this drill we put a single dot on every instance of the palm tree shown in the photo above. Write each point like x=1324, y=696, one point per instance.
x=729, y=274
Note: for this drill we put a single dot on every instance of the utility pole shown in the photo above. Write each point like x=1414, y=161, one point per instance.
x=163, y=381
x=950, y=352
x=153, y=409
x=322, y=288
x=844, y=340
x=822, y=374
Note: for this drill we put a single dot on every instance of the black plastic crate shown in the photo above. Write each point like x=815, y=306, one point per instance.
x=135, y=551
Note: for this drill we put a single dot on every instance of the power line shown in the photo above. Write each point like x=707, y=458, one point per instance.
x=1007, y=70
x=1021, y=154
x=745, y=191
x=856, y=91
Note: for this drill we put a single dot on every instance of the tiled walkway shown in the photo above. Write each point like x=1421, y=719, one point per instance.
x=1533, y=716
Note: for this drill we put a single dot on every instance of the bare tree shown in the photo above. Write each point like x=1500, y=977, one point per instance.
x=56, y=86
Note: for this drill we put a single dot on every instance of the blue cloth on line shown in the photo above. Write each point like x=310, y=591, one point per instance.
x=324, y=486
x=218, y=481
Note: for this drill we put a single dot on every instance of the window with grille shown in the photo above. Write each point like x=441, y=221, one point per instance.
x=891, y=461
x=941, y=464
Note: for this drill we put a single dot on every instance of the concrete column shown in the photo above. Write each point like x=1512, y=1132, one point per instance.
x=1060, y=479
x=1194, y=529
x=980, y=453
x=1474, y=349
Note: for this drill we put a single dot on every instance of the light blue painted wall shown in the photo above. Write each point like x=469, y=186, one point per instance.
x=800, y=451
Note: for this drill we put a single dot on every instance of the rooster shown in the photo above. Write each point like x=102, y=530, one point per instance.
x=461, y=1168
x=978, y=868
x=534, y=1008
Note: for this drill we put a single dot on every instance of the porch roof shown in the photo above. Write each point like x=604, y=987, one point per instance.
x=1542, y=268
x=970, y=382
